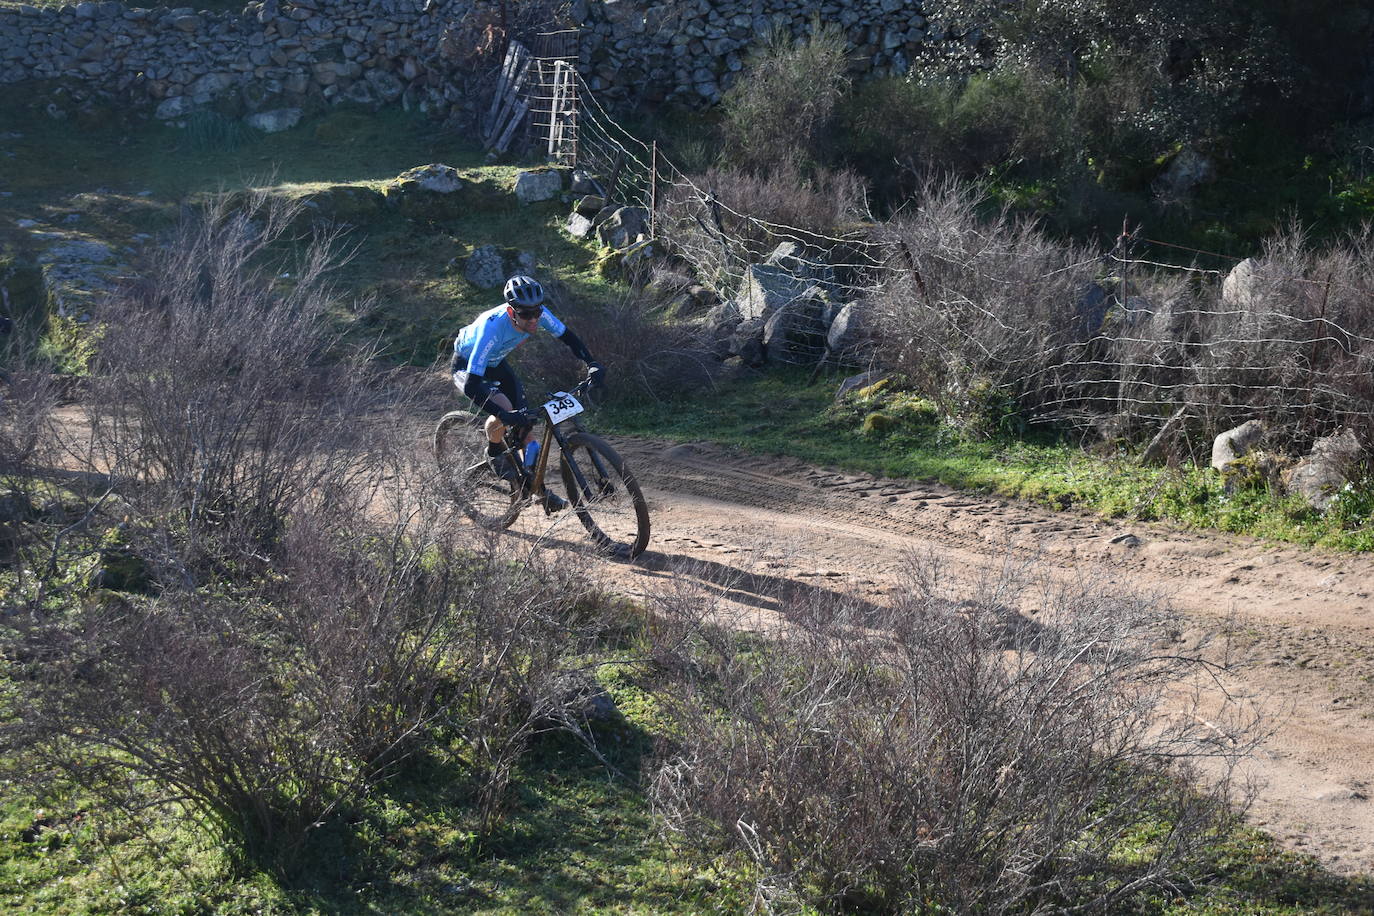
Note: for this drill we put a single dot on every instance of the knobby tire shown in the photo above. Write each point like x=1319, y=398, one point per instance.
x=460, y=451
x=607, y=500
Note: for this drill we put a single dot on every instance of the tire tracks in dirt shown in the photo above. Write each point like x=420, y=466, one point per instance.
x=1302, y=620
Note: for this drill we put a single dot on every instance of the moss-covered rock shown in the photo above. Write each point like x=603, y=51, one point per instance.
x=628, y=263
x=430, y=192
x=346, y=203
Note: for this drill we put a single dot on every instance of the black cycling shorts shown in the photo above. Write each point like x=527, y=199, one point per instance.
x=499, y=377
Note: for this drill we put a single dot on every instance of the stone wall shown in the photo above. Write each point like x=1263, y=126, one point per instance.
x=691, y=50
x=282, y=54
x=272, y=55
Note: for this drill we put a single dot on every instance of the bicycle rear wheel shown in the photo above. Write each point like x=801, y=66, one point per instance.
x=605, y=496
x=461, y=452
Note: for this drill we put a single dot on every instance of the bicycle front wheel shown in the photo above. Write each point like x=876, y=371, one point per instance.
x=605, y=496
x=461, y=452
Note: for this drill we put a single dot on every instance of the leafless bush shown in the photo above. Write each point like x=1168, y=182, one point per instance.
x=989, y=746
x=1293, y=344
x=29, y=395
x=982, y=304
x=259, y=711
x=318, y=615
x=649, y=354
x=220, y=396
x=727, y=227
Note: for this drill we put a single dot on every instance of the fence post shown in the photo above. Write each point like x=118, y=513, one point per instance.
x=1122, y=253
x=653, y=192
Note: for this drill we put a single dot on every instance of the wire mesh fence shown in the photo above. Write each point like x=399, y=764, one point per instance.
x=1075, y=335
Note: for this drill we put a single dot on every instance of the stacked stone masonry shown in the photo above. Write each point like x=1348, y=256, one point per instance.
x=291, y=53
x=691, y=50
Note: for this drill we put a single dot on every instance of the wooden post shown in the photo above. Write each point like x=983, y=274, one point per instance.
x=653, y=192
x=614, y=177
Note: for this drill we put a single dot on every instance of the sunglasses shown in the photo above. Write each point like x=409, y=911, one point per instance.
x=526, y=314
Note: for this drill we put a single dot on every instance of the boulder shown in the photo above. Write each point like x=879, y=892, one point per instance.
x=578, y=699
x=77, y=273
x=426, y=192
x=176, y=107
x=274, y=121
x=628, y=263
x=795, y=332
x=1090, y=311
x=435, y=178
x=386, y=86
x=1320, y=476
x=1240, y=289
x=359, y=93
x=746, y=342
x=262, y=95
x=848, y=334
x=766, y=289
x=794, y=258
x=585, y=184
x=211, y=84
x=623, y=227
x=859, y=382
x=578, y=226
x=1234, y=443
x=534, y=185
x=718, y=329
x=589, y=205
x=485, y=268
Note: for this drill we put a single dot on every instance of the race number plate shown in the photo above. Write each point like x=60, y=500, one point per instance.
x=563, y=406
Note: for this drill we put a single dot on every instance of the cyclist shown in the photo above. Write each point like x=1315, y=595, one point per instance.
x=481, y=372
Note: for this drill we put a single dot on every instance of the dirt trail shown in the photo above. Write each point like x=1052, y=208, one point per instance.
x=1306, y=618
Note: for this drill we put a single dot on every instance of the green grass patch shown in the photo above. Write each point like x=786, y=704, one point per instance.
x=895, y=435
x=124, y=181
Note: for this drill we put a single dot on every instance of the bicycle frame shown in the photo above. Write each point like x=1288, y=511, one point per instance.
x=533, y=479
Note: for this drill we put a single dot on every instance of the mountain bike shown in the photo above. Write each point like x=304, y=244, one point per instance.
x=594, y=483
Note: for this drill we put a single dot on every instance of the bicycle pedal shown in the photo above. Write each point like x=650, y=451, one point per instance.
x=554, y=503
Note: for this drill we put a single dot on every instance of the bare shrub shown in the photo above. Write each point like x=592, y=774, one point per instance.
x=982, y=746
x=34, y=530
x=780, y=109
x=259, y=712
x=649, y=354
x=736, y=221
x=220, y=396
x=1294, y=345
x=982, y=305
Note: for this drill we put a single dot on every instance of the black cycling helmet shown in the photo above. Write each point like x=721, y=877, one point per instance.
x=525, y=295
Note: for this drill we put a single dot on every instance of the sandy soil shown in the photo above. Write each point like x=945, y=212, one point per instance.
x=1303, y=621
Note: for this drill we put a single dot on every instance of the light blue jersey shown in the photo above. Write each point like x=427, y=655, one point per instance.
x=492, y=337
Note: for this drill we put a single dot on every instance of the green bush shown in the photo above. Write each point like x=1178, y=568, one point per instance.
x=781, y=110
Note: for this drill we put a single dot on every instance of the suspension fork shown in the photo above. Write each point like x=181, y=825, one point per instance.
x=606, y=480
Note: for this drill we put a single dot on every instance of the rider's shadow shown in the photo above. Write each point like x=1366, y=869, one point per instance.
x=711, y=581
